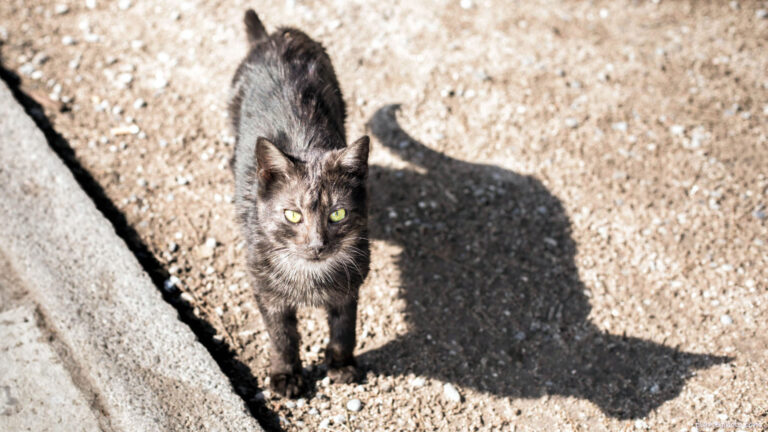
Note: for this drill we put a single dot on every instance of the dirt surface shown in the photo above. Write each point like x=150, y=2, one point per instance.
x=568, y=207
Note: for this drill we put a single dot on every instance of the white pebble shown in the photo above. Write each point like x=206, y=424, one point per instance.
x=139, y=103
x=418, y=382
x=466, y=4
x=68, y=40
x=27, y=69
x=726, y=320
x=354, y=405
x=678, y=130
x=124, y=79
x=90, y=4
x=571, y=122
x=171, y=283
x=761, y=13
x=124, y=4
x=619, y=126
x=450, y=393
x=61, y=9
x=211, y=242
x=40, y=58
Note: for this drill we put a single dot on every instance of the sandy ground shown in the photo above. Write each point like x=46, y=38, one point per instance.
x=568, y=199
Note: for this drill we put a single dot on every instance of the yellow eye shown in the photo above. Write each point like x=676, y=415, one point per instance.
x=338, y=215
x=293, y=216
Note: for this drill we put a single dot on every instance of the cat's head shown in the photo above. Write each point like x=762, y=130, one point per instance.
x=314, y=211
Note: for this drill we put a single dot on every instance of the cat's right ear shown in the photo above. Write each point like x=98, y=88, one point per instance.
x=271, y=162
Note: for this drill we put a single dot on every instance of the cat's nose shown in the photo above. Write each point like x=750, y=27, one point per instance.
x=316, y=246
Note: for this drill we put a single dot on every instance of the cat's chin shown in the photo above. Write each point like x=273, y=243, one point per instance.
x=312, y=260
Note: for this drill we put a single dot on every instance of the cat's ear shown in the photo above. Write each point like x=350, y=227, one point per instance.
x=271, y=162
x=354, y=158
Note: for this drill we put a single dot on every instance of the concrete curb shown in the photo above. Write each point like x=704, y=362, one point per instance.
x=137, y=364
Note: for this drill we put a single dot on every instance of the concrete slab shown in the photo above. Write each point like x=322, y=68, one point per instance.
x=139, y=367
x=36, y=392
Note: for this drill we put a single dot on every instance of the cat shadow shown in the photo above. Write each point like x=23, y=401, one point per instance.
x=492, y=291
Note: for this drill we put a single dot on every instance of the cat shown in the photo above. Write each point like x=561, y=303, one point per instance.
x=300, y=197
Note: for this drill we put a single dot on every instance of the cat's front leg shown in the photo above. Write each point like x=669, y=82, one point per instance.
x=285, y=365
x=339, y=354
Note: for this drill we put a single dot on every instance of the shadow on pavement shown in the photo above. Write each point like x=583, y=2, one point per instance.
x=494, y=300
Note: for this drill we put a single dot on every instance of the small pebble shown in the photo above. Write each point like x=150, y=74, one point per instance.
x=761, y=13
x=324, y=423
x=354, y=405
x=68, y=40
x=124, y=79
x=677, y=130
x=211, y=242
x=571, y=122
x=40, y=58
x=339, y=419
x=139, y=103
x=171, y=283
x=450, y=393
x=90, y=4
x=619, y=126
x=27, y=69
x=466, y=4
x=418, y=382
x=61, y=9
x=726, y=320
x=124, y=4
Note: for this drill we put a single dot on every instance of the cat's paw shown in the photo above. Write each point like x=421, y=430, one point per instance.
x=344, y=374
x=287, y=385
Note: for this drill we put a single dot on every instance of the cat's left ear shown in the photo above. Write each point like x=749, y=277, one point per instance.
x=354, y=158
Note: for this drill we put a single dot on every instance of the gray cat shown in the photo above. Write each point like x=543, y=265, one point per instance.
x=300, y=196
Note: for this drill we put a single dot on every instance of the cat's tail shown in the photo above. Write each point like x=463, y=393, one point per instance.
x=254, y=28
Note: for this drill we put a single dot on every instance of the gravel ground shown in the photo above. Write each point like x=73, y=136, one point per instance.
x=569, y=199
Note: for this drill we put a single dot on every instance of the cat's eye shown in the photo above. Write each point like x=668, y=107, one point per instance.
x=338, y=215
x=293, y=216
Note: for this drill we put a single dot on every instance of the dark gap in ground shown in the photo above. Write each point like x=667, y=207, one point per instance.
x=242, y=380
